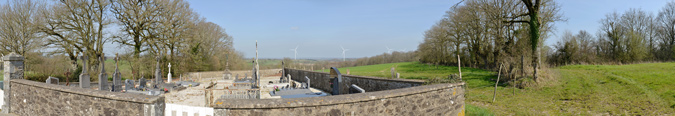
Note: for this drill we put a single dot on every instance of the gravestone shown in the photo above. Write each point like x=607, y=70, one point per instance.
x=52, y=80
x=335, y=80
x=246, y=76
x=117, y=77
x=308, y=82
x=236, y=77
x=84, y=76
x=398, y=75
x=348, y=71
x=158, y=73
x=393, y=72
x=102, y=76
x=288, y=77
x=142, y=83
x=128, y=84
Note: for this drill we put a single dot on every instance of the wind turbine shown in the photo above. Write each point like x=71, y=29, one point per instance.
x=296, y=52
x=389, y=50
x=405, y=49
x=343, y=52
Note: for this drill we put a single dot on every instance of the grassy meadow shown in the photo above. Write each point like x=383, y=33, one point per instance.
x=637, y=89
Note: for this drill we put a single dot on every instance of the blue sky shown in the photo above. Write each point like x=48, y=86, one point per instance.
x=365, y=27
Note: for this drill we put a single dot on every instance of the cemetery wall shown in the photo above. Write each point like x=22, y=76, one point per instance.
x=427, y=100
x=241, y=73
x=321, y=80
x=39, y=98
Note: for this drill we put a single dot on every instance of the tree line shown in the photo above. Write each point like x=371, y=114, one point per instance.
x=624, y=37
x=144, y=29
x=492, y=33
x=393, y=57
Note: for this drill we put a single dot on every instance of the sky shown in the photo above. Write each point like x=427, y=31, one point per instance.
x=366, y=27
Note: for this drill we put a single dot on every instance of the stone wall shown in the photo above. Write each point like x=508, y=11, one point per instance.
x=241, y=73
x=38, y=98
x=321, y=80
x=427, y=100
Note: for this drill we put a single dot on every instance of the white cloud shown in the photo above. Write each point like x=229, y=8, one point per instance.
x=295, y=28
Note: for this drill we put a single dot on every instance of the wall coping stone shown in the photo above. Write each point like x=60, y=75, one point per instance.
x=328, y=100
x=372, y=78
x=13, y=57
x=130, y=97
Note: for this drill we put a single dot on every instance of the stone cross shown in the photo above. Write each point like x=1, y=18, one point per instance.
x=158, y=72
x=84, y=76
x=117, y=76
x=169, y=75
x=13, y=69
x=102, y=76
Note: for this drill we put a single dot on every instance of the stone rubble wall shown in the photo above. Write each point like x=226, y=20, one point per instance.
x=426, y=100
x=241, y=73
x=38, y=98
x=321, y=81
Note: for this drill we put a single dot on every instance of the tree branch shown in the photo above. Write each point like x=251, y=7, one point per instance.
x=517, y=21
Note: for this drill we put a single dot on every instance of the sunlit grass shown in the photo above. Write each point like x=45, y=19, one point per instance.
x=637, y=89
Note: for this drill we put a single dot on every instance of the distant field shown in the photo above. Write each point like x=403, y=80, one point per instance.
x=638, y=89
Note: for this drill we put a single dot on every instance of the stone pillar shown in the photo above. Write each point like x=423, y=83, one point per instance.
x=13, y=66
x=84, y=76
x=102, y=76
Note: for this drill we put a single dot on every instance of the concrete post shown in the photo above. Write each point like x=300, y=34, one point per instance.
x=13, y=65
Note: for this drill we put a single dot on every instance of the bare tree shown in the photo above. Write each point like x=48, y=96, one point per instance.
x=19, y=21
x=175, y=22
x=78, y=26
x=665, y=22
x=137, y=19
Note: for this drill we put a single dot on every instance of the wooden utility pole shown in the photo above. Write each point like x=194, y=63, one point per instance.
x=498, y=74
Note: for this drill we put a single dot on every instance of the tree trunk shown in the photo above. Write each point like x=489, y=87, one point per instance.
x=534, y=36
x=494, y=95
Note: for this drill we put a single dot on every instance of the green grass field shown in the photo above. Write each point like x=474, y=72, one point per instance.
x=638, y=89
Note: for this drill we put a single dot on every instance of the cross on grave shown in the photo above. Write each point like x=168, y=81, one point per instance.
x=158, y=72
x=117, y=76
x=169, y=74
x=102, y=76
x=84, y=76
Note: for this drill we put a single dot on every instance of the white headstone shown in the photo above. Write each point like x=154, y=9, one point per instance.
x=169, y=75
